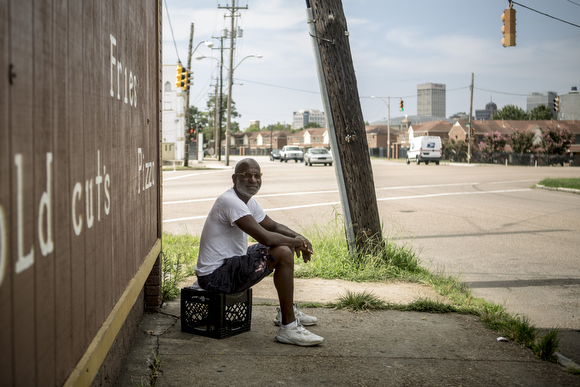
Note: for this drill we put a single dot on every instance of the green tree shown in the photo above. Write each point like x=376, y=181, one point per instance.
x=511, y=112
x=312, y=125
x=541, y=112
x=277, y=126
x=253, y=128
x=556, y=141
x=522, y=141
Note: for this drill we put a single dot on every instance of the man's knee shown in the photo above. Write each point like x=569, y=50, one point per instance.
x=282, y=255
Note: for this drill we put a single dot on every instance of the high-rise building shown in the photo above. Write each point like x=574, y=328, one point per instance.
x=431, y=100
x=570, y=105
x=302, y=117
x=536, y=99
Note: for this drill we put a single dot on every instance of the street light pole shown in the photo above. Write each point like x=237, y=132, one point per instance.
x=388, y=103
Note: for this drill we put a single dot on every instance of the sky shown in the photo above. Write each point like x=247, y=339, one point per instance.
x=395, y=46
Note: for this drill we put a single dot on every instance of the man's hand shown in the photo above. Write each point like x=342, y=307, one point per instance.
x=305, y=248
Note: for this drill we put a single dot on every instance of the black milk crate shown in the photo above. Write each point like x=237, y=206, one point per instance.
x=214, y=314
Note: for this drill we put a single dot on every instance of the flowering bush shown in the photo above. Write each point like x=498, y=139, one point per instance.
x=556, y=141
x=492, y=143
x=522, y=141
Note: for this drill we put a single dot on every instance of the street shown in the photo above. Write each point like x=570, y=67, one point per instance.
x=515, y=245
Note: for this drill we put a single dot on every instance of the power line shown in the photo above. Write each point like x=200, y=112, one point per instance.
x=500, y=92
x=570, y=1
x=545, y=14
x=169, y=19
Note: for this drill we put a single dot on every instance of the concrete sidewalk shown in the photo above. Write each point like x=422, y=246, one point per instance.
x=360, y=349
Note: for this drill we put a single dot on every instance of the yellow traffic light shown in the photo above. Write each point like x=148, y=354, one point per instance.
x=557, y=104
x=509, y=27
x=184, y=84
x=179, y=76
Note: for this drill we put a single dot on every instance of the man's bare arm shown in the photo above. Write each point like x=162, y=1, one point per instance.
x=265, y=236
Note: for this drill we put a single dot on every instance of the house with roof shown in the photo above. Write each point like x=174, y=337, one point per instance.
x=310, y=138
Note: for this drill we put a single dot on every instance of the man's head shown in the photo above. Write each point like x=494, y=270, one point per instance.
x=247, y=179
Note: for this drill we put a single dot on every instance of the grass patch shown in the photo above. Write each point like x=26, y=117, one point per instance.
x=573, y=183
x=179, y=259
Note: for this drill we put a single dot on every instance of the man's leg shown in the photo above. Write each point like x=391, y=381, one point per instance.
x=283, y=267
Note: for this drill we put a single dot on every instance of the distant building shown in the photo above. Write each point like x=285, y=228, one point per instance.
x=302, y=117
x=173, y=116
x=487, y=114
x=431, y=99
x=459, y=116
x=541, y=98
x=256, y=123
x=570, y=105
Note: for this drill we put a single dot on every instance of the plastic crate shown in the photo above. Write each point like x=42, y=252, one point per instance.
x=216, y=315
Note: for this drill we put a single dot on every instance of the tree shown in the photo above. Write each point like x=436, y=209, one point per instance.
x=455, y=150
x=493, y=142
x=541, y=112
x=522, y=141
x=556, y=141
x=278, y=126
x=312, y=125
x=253, y=128
x=511, y=112
x=235, y=127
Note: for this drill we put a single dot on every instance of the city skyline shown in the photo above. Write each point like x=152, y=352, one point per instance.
x=394, y=46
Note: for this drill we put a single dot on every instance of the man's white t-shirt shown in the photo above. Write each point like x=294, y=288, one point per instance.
x=221, y=238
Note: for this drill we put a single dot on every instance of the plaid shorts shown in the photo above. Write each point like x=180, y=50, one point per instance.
x=239, y=273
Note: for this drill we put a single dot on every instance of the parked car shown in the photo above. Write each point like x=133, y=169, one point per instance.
x=425, y=149
x=275, y=154
x=290, y=152
x=317, y=156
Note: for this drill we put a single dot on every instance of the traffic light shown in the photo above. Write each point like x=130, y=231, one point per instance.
x=509, y=27
x=472, y=132
x=190, y=130
x=557, y=104
x=185, y=85
x=179, y=77
x=401, y=108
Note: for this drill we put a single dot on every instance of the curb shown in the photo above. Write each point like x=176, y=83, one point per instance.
x=570, y=190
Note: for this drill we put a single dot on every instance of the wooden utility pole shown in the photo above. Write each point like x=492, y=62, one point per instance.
x=346, y=123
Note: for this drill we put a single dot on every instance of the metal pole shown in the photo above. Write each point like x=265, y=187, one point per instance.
x=230, y=83
x=351, y=240
x=389, y=128
x=470, y=123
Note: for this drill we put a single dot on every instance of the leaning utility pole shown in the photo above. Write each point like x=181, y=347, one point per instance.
x=345, y=123
x=186, y=135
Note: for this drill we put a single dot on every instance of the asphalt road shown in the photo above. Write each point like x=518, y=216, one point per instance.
x=515, y=245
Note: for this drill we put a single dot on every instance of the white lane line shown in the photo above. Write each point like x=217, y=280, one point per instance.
x=335, y=191
x=381, y=199
x=193, y=174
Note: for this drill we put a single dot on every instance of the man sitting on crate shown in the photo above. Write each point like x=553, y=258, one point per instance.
x=226, y=264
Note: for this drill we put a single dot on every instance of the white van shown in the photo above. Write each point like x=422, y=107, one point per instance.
x=426, y=148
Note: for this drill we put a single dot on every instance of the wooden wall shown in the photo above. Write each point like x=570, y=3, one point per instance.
x=79, y=173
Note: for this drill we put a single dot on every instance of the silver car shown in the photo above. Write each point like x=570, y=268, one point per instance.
x=317, y=156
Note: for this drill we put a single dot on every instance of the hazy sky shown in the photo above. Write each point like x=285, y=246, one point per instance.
x=395, y=46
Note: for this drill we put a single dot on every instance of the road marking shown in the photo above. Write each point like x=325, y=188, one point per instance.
x=380, y=199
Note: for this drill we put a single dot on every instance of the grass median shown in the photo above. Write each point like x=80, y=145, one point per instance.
x=393, y=262
x=571, y=183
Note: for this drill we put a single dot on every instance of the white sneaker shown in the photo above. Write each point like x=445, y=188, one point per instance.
x=298, y=335
x=305, y=319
